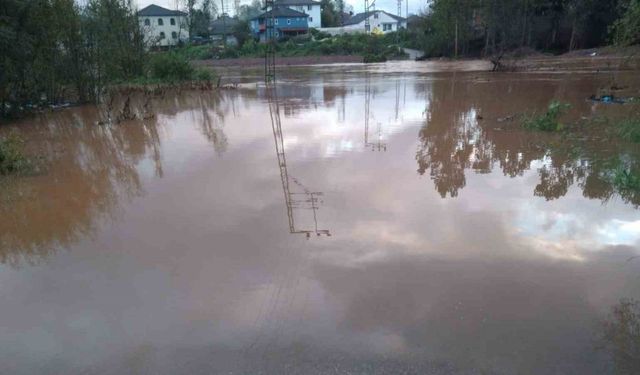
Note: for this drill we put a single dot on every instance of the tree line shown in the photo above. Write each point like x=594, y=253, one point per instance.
x=53, y=50
x=483, y=27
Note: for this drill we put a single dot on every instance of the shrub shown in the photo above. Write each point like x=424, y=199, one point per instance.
x=204, y=75
x=374, y=58
x=625, y=179
x=192, y=52
x=318, y=35
x=548, y=121
x=171, y=67
x=626, y=30
x=629, y=129
x=12, y=159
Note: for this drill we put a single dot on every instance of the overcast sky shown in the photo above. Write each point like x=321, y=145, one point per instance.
x=358, y=5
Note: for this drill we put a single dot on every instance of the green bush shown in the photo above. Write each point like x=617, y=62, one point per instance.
x=625, y=180
x=626, y=30
x=629, y=129
x=318, y=35
x=377, y=48
x=374, y=58
x=12, y=159
x=171, y=67
x=192, y=52
x=548, y=121
x=204, y=75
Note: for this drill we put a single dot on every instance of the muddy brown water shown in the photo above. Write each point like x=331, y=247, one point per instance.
x=459, y=243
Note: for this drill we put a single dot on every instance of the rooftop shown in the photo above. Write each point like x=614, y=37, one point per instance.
x=297, y=2
x=158, y=11
x=282, y=12
x=223, y=25
x=357, y=18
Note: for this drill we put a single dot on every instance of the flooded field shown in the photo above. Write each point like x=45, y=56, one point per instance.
x=390, y=219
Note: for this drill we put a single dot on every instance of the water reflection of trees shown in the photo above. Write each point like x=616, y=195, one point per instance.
x=462, y=132
x=90, y=170
x=621, y=337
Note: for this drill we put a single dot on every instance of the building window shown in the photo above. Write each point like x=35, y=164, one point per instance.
x=147, y=22
x=310, y=19
x=276, y=21
x=277, y=33
x=172, y=21
x=160, y=23
x=288, y=21
x=174, y=35
x=375, y=15
x=387, y=27
x=162, y=35
x=308, y=7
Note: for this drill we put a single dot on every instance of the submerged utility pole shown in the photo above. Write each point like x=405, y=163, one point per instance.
x=271, y=39
x=367, y=26
x=367, y=7
x=224, y=25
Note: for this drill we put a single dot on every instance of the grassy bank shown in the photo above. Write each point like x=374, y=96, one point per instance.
x=12, y=156
x=170, y=68
x=372, y=47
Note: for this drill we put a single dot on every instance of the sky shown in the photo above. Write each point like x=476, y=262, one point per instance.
x=390, y=6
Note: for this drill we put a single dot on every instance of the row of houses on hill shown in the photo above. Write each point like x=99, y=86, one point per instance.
x=165, y=27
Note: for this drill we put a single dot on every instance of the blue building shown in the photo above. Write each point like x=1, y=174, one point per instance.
x=287, y=22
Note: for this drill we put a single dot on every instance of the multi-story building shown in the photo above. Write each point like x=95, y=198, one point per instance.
x=163, y=27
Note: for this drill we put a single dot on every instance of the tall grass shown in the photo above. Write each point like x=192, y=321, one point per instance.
x=629, y=129
x=12, y=158
x=547, y=121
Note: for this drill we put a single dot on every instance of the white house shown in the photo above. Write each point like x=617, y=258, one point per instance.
x=379, y=22
x=163, y=27
x=309, y=7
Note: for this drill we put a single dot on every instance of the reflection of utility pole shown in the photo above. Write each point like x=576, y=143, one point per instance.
x=397, y=98
x=378, y=145
x=308, y=199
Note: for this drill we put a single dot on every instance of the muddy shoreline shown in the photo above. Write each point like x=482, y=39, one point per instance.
x=292, y=60
x=595, y=59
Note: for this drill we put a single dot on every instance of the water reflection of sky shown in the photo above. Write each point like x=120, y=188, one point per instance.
x=196, y=271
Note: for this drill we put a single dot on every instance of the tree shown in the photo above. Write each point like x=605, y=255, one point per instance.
x=54, y=50
x=626, y=30
x=329, y=17
x=249, y=11
x=202, y=17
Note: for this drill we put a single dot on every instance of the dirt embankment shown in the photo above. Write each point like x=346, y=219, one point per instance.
x=293, y=60
x=595, y=59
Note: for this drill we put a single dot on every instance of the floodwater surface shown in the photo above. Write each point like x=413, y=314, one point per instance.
x=363, y=220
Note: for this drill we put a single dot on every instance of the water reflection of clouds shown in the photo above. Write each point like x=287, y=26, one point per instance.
x=338, y=127
x=487, y=280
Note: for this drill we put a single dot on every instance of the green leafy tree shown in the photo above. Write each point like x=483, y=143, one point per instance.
x=249, y=11
x=626, y=30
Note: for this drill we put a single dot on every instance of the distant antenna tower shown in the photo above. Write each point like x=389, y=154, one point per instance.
x=236, y=7
x=399, y=8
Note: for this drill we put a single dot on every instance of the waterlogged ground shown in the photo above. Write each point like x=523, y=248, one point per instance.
x=187, y=243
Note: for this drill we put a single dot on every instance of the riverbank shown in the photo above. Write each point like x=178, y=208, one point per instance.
x=290, y=60
x=607, y=58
